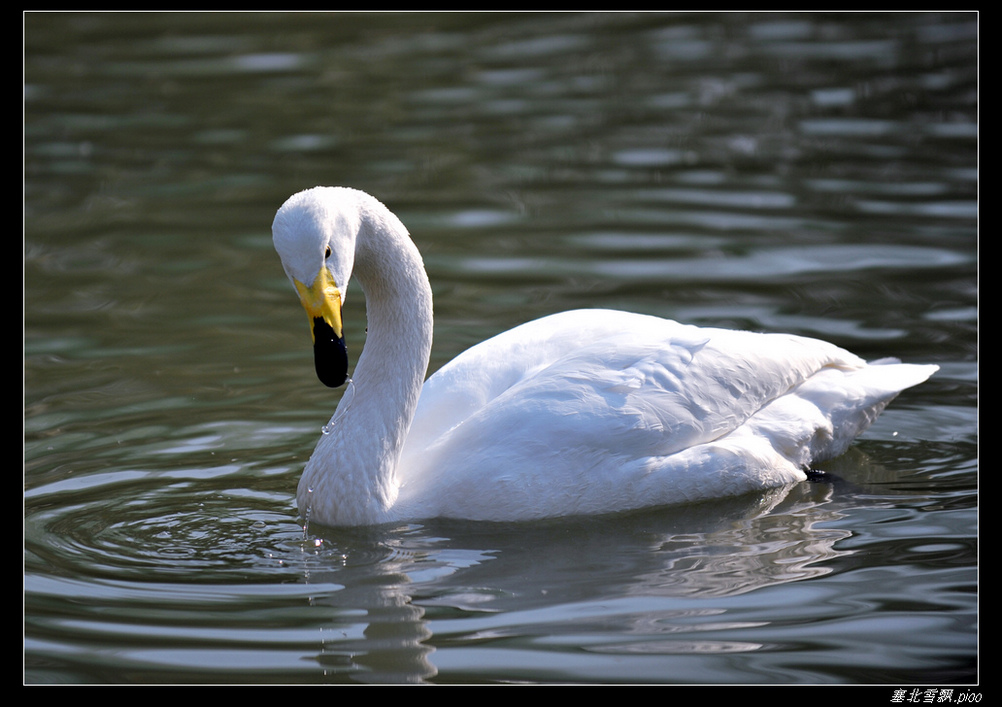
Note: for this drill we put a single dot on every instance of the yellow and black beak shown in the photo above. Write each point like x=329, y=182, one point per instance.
x=322, y=302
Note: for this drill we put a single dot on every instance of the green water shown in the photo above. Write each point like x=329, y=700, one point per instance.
x=809, y=173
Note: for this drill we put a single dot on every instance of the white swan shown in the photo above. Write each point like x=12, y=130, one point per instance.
x=583, y=412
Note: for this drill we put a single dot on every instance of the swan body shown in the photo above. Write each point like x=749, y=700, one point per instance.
x=583, y=412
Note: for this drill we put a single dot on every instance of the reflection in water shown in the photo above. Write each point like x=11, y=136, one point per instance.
x=405, y=579
x=369, y=574
x=392, y=646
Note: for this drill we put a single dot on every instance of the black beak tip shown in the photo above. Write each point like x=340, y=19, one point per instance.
x=330, y=355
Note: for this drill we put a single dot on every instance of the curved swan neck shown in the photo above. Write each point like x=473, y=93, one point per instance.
x=399, y=319
x=351, y=476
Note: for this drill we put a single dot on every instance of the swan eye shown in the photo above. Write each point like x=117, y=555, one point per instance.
x=327, y=252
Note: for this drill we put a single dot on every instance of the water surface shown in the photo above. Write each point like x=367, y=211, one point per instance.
x=809, y=173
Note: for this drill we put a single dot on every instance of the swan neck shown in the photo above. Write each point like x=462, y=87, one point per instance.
x=355, y=464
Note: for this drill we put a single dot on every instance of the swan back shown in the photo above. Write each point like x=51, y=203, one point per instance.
x=596, y=411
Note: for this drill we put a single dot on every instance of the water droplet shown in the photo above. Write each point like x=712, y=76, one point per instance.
x=342, y=407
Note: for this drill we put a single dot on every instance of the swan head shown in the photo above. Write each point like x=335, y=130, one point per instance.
x=314, y=233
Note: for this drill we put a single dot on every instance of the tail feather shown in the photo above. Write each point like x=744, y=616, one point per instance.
x=821, y=417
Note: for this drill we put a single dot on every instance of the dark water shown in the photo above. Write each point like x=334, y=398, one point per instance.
x=810, y=173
